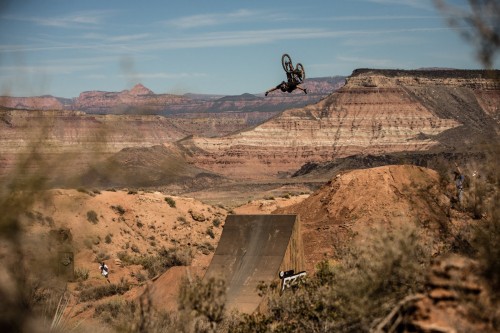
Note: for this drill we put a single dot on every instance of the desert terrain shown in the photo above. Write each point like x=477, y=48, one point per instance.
x=367, y=167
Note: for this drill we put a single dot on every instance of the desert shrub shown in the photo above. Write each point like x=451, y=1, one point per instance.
x=132, y=192
x=159, y=263
x=165, y=259
x=81, y=274
x=92, y=217
x=49, y=220
x=96, y=191
x=125, y=258
x=140, y=277
x=210, y=232
x=206, y=248
x=487, y=242
x=139, y=316
x=216, y=222
x=130, y=317
x=101, y=256
x=95, y=293
x=109, y=310
x=170, y=201
x=119, y=209
x=108, y=239
x=181, y=219
x=203, y=302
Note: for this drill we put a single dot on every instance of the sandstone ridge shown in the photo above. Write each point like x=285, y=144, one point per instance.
x=374, y=113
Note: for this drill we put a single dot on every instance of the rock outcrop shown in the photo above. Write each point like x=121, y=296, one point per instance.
x=138, y=100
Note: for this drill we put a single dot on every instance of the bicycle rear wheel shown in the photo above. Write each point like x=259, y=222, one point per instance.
x=301, y=72
x=286, y=62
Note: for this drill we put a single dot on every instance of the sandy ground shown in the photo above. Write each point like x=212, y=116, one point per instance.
x=106, y=225
x=142, y=223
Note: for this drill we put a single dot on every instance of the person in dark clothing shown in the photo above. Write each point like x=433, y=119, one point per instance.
x=289, y=85
x=459, y=182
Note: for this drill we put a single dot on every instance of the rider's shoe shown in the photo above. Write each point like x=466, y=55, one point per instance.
x=267, y=92
x=305, y=90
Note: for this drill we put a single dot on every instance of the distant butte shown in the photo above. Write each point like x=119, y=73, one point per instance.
x=139, y=89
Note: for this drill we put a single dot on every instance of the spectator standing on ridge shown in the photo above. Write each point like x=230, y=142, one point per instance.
x=459, y=182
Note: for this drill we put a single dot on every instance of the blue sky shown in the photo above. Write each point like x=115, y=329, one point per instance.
x=62, y=47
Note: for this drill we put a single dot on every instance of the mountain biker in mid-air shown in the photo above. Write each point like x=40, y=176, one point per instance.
x=295, y=76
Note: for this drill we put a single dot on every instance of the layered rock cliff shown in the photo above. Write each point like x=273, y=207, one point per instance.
x=64, y=144
x=376, y=112
x=222, y=114
x=73, y=131
x=32, y=103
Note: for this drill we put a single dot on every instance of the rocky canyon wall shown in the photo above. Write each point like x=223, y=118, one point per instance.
x=374, y=113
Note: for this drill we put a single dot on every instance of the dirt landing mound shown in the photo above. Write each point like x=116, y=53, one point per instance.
x=354, y=201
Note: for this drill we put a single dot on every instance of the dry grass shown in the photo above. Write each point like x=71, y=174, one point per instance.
x=96, y=293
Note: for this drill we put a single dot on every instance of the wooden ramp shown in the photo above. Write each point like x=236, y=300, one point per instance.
x=255, y=248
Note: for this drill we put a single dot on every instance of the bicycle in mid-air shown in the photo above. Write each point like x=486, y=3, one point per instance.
x=294, y=75
x=297, y=73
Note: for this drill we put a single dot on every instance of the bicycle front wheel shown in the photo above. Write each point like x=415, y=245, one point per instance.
x=286, y=62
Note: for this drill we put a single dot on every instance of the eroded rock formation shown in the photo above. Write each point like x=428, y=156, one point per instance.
x=375, y=112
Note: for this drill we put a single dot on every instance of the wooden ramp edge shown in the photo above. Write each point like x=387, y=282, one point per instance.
x=254, y=249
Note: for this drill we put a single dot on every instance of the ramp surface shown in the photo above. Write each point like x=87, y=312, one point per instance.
x=254, y=248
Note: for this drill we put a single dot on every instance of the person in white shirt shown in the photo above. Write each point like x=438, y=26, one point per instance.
x=104, y=270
